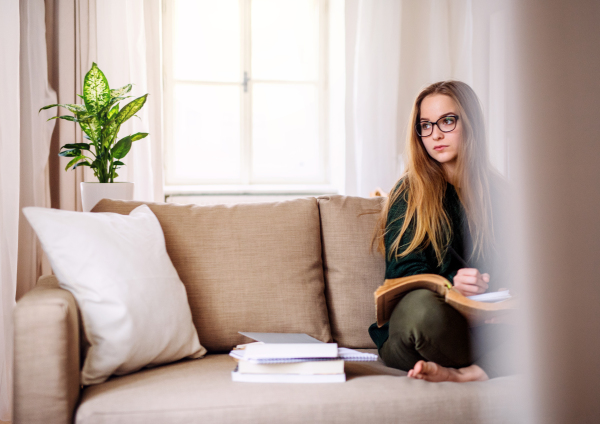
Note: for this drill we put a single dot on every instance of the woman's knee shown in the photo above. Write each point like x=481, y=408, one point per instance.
x=424, y=326
x=422, y=313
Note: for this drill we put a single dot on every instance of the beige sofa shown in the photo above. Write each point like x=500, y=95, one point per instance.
x=297, y=266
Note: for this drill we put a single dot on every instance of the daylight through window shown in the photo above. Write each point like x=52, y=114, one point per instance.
x=245, y=92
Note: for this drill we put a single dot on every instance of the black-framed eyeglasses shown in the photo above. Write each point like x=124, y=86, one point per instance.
x=445, y=124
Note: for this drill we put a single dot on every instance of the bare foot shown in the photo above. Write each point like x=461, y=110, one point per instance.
x=430, y=371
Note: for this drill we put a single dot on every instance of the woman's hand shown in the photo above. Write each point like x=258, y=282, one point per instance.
x=469, y=282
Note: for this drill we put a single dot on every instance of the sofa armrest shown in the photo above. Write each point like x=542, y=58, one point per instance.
x=46, y=355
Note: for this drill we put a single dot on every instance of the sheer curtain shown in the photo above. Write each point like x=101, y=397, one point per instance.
x=35, y=137
x=24, y=145
x=9, y=191
x=124, y=39
x=70, y=33
x=394, y=49
x=128, y=51
x=376, y=69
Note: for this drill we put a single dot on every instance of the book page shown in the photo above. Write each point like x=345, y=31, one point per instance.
x=491, y=297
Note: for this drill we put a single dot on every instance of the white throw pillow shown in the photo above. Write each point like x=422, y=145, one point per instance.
x=134, y=306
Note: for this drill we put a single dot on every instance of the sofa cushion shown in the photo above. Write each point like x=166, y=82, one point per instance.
x=246, y=267
x=353, y=268
x=201, y=391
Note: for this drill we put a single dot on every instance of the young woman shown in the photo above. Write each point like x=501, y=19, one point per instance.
x=438, y=218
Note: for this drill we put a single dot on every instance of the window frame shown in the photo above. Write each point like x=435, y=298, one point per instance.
x=246, y=185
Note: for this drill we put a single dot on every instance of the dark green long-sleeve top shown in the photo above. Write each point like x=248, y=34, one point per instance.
x=424, y=261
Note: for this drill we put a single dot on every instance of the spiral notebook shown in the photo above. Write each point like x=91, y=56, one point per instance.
x=284, y=351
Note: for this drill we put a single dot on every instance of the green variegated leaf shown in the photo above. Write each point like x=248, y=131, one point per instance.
x=70, y=107
x=82, y=164
x=117, y=99
x=84, y=118
x=138, y=136
x=76, y=108
x=103, y=113
x=83, y=146
x=91, y=127
x=86, y=129
x=109, y=133
x=96, y=92
x=121, y=148
x=65, y=117
x=72, y=118
x=96, y=163
x=47, y=107
x=112, y=112
x=70, y=153
x=120, y=91
x=118, y=163
x=95, y=128
x=130, y=109
x=73, y=162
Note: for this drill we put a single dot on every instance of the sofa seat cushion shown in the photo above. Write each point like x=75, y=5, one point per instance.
x=246, y=267
x=201, y=391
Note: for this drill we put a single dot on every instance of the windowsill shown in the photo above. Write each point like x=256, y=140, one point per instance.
x=254, y=189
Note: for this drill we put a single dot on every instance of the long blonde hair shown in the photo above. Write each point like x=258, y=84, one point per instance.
x=424, y=182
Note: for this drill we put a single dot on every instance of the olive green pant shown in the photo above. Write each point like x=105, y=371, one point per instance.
x=424, y=327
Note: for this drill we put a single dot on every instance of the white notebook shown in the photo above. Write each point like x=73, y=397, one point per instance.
x=305, y=367
x=290, y=351
x=287, y=378
x=293, y=341
x=348, y=355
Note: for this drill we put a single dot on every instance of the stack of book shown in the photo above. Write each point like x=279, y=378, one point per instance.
x=312, y=362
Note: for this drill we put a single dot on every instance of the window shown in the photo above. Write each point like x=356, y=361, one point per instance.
x=245, y=94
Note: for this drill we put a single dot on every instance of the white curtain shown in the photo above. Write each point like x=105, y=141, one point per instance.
x=9, y=191
x=71, y=43
x=397, y=47
x=375, y=94
x=35, y=136
x=24, y=145
x=128, y=51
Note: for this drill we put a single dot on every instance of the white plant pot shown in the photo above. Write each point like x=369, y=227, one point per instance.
x=92, y=193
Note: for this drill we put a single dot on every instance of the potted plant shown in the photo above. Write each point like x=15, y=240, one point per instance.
x=100, y=118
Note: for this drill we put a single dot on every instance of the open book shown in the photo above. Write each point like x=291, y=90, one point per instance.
x=476, y=310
